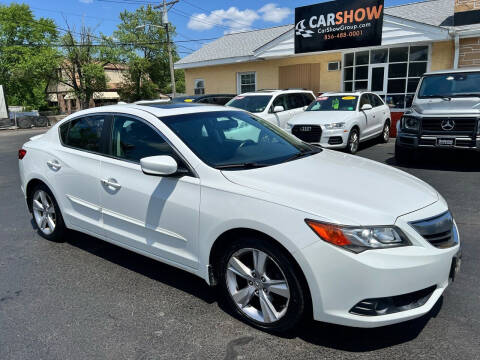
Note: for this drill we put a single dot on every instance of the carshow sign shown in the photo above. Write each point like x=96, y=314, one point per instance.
x=340, y=24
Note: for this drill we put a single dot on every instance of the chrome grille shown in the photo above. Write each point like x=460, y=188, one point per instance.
x=438, y=231
x=308, y=133
x=461, y=125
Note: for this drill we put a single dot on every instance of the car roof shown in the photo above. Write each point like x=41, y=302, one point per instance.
x=356, y=93
x=274, y=92
x=158, y=110
x=453, y=71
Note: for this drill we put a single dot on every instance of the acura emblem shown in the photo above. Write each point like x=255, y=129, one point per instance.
x=448, y=124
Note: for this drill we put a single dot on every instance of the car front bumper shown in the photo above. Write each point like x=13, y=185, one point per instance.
x=339, y=280
x=332, y=139
x=414, y=141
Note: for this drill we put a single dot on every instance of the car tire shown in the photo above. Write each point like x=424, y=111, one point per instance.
x=250, y=297
x=353, y=141
x=403, y=155
x=46, y=214
x=385, y=135
x=24, y=122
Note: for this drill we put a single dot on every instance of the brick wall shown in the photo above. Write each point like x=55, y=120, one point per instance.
x=469, y=52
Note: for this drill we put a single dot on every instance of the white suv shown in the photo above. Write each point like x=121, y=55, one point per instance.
x=275, y=106
x=343, y=120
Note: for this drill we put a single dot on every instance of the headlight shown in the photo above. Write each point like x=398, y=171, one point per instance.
x=338, y=125
x=361, y=238
x=410, y=123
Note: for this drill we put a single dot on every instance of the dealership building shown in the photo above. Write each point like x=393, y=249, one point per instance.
x=415, y=38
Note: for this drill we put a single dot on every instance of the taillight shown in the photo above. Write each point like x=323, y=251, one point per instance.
x=21, y=153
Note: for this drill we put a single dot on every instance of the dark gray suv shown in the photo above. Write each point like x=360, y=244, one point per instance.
x=445, y=113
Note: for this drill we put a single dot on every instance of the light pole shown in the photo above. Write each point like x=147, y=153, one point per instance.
x=170, y=59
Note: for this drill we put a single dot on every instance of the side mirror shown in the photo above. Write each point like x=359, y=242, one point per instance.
x=278, y=108
x=367, y=107
x=159, y=165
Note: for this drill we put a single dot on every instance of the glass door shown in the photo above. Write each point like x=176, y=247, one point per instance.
x=377, y=79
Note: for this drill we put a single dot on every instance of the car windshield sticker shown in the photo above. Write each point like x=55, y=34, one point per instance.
x=348, y=98
x=188, y=100
x=335, y=104
x=350, y=108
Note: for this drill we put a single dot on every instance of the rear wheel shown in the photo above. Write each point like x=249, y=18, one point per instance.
x=353, y=141
x=46, y=214
x=260, y=284
x=385, y=135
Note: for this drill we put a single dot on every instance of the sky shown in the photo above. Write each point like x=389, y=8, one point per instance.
x=196, y=22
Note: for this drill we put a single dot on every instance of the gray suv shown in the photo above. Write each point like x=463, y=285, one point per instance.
x=445, y=113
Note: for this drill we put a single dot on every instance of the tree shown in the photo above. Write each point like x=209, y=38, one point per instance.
x=144, y=50
x=28, y=56
x=83, y=66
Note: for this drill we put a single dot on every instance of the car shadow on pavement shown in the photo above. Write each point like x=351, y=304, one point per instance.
x=441, y=159
x=362, y=340
x=143, y=265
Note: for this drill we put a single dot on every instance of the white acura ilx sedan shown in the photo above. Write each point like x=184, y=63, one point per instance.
x=282, y=227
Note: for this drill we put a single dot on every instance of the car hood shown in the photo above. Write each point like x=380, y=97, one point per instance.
x=456, y=106
x=321, y=117
x=339, y=188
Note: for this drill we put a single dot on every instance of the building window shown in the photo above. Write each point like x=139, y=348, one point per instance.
x=393, y=73
x=199, y=87
x=246, y=82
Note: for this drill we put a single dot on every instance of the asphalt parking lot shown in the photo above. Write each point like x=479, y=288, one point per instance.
x=86, y=299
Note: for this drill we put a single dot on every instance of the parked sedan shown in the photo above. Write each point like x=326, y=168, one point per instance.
x=277, y=223
x=343, y=120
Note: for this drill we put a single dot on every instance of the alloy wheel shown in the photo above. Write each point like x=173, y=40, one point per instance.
x=257, y=285
x=353, y=142
x=386, y=132
x=44, y=212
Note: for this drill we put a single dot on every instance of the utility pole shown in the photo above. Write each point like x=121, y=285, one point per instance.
x=166, y=25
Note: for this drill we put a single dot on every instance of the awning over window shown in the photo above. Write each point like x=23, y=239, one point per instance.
x=102, y=95
x=106, y=95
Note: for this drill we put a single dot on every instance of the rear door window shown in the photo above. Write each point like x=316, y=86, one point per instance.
x=84, y=133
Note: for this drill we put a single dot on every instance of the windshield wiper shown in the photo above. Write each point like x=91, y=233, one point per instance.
x=444, y=97
x=246, y=165
x=302, y=154
x=466, y=95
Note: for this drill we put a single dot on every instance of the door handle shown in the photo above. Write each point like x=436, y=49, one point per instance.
x=54, y=165
x=111, y=182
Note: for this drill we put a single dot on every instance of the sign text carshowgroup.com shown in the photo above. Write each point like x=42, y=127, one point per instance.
x=338, y=24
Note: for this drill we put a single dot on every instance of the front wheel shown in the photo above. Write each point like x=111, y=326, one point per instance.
x=353, y=141
x=403, y=155
x=260, y=284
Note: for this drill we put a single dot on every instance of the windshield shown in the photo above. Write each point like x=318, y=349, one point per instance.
x=252, y=103
x=450, y=85
x=236, y=139
x=334, y=103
